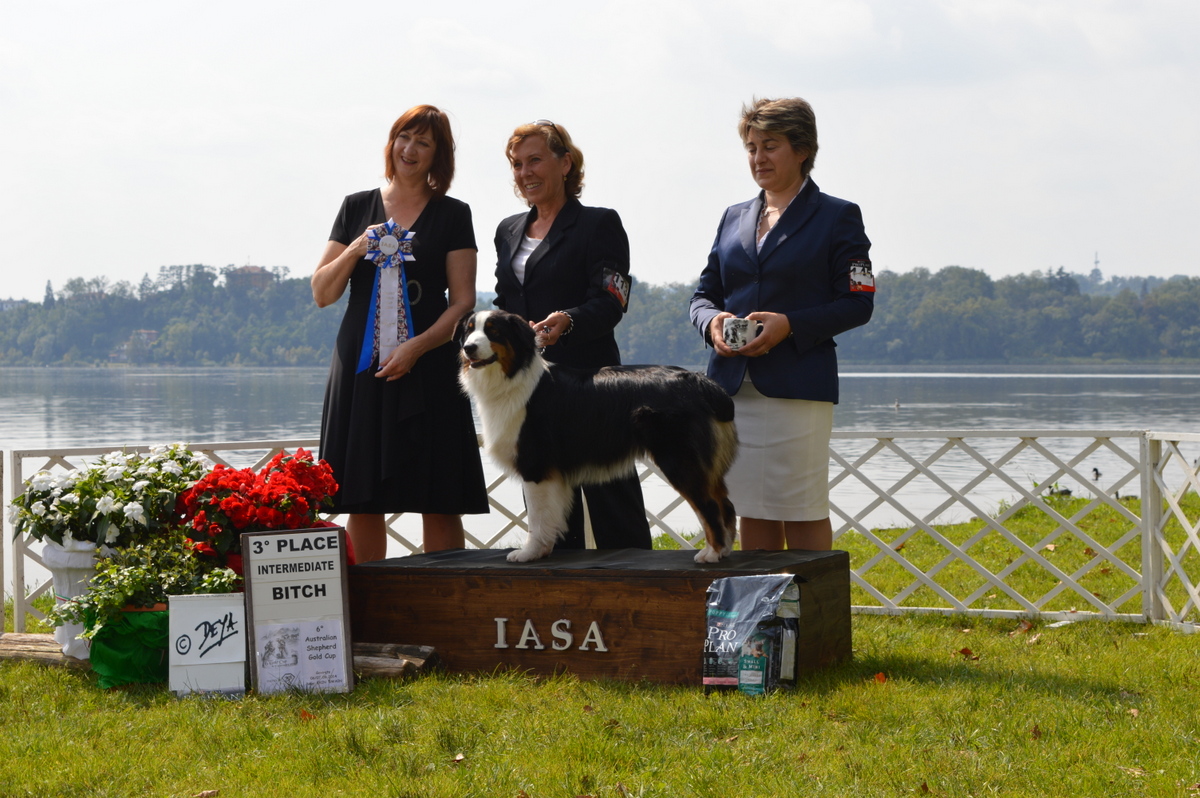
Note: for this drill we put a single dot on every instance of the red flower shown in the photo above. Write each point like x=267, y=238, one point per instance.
x=204, y=548
x=286, y=494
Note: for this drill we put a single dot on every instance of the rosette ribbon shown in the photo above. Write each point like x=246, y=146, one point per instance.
x=389, y=318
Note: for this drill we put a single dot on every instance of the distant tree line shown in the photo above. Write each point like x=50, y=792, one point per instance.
x=198, y=315
x=962, y=315
x=190, y=315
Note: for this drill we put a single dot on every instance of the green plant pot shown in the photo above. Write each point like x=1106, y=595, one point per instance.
x=133, y=649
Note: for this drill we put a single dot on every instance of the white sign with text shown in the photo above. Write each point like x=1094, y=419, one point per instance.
x=207, y=644
x=296, y=599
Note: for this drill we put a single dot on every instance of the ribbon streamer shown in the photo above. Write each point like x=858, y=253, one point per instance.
x=389, y=317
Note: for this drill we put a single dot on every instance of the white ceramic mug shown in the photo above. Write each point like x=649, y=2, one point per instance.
x=739, y=332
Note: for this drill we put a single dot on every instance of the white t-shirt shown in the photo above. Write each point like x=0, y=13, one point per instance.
x=528, y=245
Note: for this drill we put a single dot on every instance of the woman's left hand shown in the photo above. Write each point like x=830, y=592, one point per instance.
x=551, y=328
x=400, y=361
x=776, y=328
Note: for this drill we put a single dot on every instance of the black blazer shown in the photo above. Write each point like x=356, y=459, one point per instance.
x=803, y=272
x=572, y=270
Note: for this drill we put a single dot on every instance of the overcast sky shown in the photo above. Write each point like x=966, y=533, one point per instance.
x=1004, y=135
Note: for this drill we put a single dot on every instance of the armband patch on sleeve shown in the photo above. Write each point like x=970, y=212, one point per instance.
x=618, y=285
x=861, y=278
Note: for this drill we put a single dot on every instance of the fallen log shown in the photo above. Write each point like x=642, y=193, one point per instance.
x=381, y=660
x=393, y=660
x=37, y=648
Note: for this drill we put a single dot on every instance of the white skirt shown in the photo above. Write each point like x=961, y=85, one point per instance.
x=782, y=468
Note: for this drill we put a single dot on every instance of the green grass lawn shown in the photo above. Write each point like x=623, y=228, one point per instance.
x=962, y=708
x=930, y=705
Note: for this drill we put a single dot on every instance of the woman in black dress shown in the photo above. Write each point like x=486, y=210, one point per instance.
x=396, y=428
x=564, y=267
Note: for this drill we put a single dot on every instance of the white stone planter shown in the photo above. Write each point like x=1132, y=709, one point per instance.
x=72, y=564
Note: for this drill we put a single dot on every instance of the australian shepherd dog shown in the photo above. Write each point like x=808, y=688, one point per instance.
x=557, y=427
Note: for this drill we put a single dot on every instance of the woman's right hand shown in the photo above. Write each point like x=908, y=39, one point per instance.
x=358, y=247
x=337, y=264
x=716, y=334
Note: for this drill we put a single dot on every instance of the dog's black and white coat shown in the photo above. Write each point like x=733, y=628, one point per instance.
x=558, y=427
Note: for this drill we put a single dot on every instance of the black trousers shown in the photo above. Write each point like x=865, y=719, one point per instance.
x=618, y=516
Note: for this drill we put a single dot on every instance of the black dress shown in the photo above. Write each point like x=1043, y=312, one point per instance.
x=407, y=445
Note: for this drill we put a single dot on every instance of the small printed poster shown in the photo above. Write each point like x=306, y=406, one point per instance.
x=306, y=654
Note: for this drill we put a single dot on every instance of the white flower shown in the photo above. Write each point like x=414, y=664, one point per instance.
x=70, y=498
x=111, y=535
x=135, y=512
x=107, y=504
x=171, y=467
x=140, y=486
x=42, y=480
x=116, y=458
x=66, y=481
x=145, y=471
x=38, y=509
x=114, y=473
x=14, y=512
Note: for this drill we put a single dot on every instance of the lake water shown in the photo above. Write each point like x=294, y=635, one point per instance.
x=49, y=407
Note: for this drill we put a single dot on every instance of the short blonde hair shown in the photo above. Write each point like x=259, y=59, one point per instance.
x=791, y=117
x=558, y=141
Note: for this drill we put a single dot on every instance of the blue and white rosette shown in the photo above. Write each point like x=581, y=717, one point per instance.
x=389, y=319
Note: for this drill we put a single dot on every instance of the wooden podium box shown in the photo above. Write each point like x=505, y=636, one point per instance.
x=621, y=614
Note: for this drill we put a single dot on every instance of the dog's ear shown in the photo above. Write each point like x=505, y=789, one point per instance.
x=521, y=329
x=464, y=327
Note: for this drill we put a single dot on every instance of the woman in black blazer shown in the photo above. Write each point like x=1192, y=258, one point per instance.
x=565, y=267
x=797, y=261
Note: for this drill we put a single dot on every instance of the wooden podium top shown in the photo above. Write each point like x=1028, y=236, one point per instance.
x=629, y=562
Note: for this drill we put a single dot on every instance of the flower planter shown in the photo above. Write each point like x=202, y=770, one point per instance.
x=132, y=650
x=72, y=564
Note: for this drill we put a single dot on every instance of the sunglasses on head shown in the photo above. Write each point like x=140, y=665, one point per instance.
x=549, y=124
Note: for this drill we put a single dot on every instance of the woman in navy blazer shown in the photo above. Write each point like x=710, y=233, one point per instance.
x=565, y=267
x=797, y=261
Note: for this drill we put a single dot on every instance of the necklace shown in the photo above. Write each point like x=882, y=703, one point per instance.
x=764, y=215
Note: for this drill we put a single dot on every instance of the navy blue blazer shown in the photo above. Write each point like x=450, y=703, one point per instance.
x=803, y=272
x=572, y=270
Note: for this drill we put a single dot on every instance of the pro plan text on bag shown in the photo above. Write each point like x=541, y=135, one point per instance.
x=751, y=641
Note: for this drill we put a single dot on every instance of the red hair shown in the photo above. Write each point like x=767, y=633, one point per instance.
x=431, y=120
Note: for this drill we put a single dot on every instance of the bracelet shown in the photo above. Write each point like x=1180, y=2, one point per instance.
x=570, y=322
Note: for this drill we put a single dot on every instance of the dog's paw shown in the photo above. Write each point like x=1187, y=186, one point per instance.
x=526, y=554
x=708, y=554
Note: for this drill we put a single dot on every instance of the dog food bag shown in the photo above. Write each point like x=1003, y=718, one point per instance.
x=751, y=640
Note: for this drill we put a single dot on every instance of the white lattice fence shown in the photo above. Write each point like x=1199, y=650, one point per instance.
x=1173, y=548
x=935, y=521
x=967, y=530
